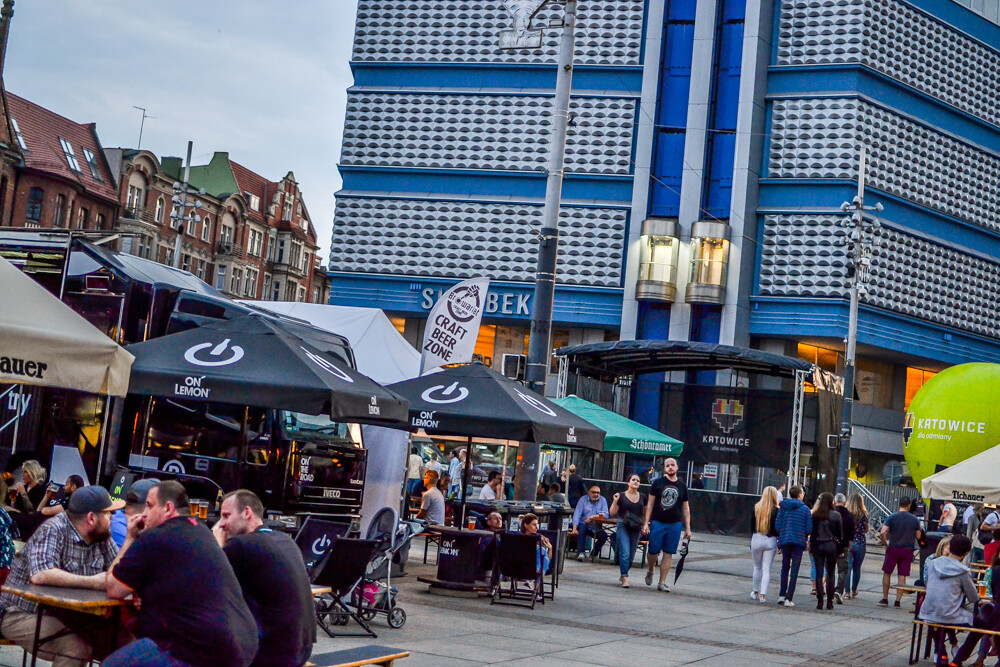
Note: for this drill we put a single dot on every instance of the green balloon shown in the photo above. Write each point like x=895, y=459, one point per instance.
x=952, y=418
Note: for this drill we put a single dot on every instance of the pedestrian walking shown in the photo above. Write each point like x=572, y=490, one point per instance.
x=899, y=534
x=668, y=514
x=794, y=524
x=455, y=469
x=824, y=545
x=414, y=474
x=764, y=543
x=629, y=508
x=550, y=475
x=859, y=546
x=846, y=537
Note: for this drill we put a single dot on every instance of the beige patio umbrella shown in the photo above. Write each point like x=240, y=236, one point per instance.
x=45, y=342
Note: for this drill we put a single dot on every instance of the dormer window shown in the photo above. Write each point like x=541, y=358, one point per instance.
x=70, y=155
x=91, y=159
x=17, y=134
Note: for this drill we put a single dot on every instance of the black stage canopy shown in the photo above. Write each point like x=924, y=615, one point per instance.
x=629, y=357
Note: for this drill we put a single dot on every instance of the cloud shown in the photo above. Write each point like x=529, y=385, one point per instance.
x=263, y=81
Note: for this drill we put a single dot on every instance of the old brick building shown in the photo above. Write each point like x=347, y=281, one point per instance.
x=254, y=239
x=63, y=179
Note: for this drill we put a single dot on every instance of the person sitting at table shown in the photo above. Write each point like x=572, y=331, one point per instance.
x=56, y=499
x=135, y=503
x=492, y=486
x=72, y=550
x=591, y=507
x=487, y=545
x=192, y=612
x=949, y=588
x=529, y=526
x=275, y=584
x=432, y=502
x=30, y=490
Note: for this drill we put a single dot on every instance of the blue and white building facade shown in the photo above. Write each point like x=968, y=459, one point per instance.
x=712, y=143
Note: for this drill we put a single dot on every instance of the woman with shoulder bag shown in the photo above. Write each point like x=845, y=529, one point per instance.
x=629, y=508
x=764, y=543
x=827, y=534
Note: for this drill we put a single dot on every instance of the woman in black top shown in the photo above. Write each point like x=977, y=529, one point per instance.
x=827, y=534
x=629, y=508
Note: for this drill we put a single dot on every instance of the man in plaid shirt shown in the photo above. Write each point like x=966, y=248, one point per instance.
x=72, y=549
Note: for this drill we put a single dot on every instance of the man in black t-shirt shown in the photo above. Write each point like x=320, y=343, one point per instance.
x=667, y=514
x=275, y=584
x=57, y=499
x=192, y=610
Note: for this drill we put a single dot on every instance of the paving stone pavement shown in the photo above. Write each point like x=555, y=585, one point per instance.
x=708, y=619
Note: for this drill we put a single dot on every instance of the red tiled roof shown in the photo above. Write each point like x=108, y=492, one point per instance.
x=42, y=130
x=254, y=184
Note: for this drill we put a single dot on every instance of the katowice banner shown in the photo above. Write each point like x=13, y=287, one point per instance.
x=729, y=424
x=453, y=325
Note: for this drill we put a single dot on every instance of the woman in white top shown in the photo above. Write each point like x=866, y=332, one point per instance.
x=764, y=543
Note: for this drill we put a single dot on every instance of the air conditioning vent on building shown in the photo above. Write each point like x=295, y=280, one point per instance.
x=513, y=366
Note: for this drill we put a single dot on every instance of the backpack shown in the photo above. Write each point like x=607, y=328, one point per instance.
x=986, y=536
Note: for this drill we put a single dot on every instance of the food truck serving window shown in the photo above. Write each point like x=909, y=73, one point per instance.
x=320, y=428
x=205, y=429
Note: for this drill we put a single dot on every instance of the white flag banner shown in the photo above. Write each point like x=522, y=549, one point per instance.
x=453, y=325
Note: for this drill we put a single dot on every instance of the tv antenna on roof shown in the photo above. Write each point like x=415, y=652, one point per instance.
x=141, y=124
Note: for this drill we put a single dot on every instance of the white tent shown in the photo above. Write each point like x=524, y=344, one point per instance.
x=973, y=480
x=383, y=355
x=380, y=350
x=45, y=342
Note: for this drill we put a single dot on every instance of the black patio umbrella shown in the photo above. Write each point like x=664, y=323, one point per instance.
x=472, y=400
x=253, y=360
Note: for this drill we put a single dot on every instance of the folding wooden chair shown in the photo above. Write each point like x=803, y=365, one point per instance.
x=517, y=579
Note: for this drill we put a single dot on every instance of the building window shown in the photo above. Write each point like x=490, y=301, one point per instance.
x=302, y=294
x=254, y=202
x=220, y=278
x=191, y=228
x=206, y=228
x=168, y=256
x=295, y=255
x=276, y=291
x=256, y=242
x=286, y=210
x=915, y=379
x=250, y=286
x=201, y=271
x=237, y=279
x=281, y=252
x=17, y=134
x=34, y=211
x=226, y=235
x=100, y=222
x=81, y=218
x=70, y=155
x=272, y=239
x=134, y=199
x=267, y=286
x=91, y=159
x=160, y=207
x=185, y=261
x=60, y=212
x=305, y=263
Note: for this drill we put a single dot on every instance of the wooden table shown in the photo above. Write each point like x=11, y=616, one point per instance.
x=84, y=600
x=321, y=590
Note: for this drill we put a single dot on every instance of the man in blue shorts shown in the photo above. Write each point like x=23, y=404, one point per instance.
x=667, y=515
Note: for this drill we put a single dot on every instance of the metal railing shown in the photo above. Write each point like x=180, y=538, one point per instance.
x=878, y=509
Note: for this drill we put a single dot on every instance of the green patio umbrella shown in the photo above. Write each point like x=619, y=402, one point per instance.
x=623, y=434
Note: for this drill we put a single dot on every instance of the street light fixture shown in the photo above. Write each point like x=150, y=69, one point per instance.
x=861, y=229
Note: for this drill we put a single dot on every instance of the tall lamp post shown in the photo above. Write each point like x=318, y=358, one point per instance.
x=179, y=213
x=540, y=339
x=860, y=230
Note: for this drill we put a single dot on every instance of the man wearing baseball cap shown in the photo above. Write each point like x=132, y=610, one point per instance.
x=135, y=503
x=72, y=549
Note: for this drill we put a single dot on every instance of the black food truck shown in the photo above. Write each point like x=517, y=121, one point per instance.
x=299, y=464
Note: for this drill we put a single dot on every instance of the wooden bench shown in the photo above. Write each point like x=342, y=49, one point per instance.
x=354, y=657
x=428, y=538
x=916, y=636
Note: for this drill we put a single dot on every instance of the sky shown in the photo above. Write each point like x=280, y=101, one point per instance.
x=265, y=81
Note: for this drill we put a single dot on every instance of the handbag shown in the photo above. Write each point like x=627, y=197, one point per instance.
x=631, y=523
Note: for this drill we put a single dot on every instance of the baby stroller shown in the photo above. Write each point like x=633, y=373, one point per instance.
x=376, y=594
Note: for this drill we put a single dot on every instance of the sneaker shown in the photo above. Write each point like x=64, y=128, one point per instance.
x=847, y=596
x=854, y=594
x=839, y=598
x=762, y=599
x=579, y=557
x=789, y=603
x=755, y=596
x=781, y=600
x=896, y=604
x=649, y=577
x=883, y=602
x=662, y=586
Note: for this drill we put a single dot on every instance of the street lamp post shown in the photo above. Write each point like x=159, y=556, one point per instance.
x=179, y=214
x=860, y=230
x=540, y=339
